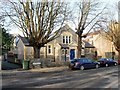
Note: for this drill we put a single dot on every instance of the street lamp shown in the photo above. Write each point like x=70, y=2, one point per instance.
x=112, y=51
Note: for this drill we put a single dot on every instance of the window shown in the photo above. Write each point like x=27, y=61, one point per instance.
x=63, y=39
x=66, y=51
x=66, y=39
x=69, y=39
x=49, y=49
x=63, y=51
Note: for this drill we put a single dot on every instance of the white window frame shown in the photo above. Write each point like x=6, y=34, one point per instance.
x=49, y=49
x=63, y=51
x=66, y=39
x=69, y=39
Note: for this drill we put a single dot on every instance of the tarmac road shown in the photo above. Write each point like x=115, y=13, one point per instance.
x=105, y=77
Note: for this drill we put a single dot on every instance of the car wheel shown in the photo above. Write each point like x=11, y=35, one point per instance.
x=97, y=66
x=82, y=68
x=115, y=64
x=106, y=65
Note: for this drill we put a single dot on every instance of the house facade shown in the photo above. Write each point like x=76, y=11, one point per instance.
x=63, y=48
x=104, y=47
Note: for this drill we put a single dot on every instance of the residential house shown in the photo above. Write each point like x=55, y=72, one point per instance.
x=62, y=48
x=89, y=50
x=103, y=46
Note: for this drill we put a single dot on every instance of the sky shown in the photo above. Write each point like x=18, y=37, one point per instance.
x=14, y=29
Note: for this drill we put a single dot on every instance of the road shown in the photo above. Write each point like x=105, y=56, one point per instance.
x=105, y=77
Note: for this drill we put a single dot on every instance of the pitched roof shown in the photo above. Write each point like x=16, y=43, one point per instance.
x=88, y=45
x=24, y=40
x=64, y=46
x=66, y=27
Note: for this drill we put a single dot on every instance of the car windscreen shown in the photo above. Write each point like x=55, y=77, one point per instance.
x=82, y=60
x=74, y=60
x=103, y=59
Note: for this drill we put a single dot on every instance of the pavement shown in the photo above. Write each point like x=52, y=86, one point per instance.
x=42, y=70
x=51, y=69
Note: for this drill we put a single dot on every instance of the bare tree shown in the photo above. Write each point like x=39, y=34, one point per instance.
x=112, y=33
x=88, y=15
x=38, y=20
x=111, y=28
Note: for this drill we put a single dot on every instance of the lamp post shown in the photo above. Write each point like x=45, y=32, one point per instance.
x=112, y=51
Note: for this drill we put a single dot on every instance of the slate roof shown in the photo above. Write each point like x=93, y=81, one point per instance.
x=24, y=40
x=88, y=45
x=64, y=46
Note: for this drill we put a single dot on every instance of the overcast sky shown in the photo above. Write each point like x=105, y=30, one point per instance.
x=111, y=3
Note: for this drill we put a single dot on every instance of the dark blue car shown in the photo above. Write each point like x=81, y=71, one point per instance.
x=83, y=63
x=107, y=62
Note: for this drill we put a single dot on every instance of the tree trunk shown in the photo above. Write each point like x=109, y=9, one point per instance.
x=79, y=48
x=37, y=52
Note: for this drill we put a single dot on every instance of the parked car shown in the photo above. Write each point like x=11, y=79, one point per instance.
x=119, y=61
x=107, y=62
x=83, y=63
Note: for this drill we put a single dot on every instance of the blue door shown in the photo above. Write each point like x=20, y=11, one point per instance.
x=72, y=54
